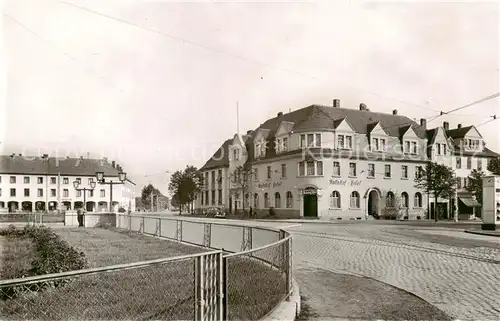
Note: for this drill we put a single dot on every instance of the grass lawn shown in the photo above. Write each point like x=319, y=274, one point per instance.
x=17, y=254
x=159, y=292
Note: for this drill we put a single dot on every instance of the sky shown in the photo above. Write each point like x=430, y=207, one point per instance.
x=154, y=85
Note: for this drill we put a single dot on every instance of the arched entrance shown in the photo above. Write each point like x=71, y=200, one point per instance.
x=90, y=207
x=40, y=206
x=13, y=206
x=373, y=196
x=27, y=206
x=310, y=202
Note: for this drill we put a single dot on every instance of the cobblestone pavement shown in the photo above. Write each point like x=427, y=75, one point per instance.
x=458, y=274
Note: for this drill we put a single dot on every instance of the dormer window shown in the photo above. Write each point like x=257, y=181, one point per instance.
x=472, y=143
x=282, y=145
x=236, y=154
x=310, y=140
x=410, y=147
x=344, y=142
x=441, y=149
x=378, y=144
x=260, y=148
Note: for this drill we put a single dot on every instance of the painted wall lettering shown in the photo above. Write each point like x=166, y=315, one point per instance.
x=345, y=182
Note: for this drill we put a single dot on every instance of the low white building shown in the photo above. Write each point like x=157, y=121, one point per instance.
x=34, y=184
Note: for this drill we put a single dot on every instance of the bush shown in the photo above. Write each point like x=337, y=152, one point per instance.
x=53, y=255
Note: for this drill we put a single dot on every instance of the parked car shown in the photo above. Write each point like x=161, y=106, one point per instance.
x=215, y=211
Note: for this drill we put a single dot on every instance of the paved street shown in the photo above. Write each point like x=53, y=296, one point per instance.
x=455, y=271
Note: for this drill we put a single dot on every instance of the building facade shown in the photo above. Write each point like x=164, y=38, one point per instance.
x=39, y=184
x=331, y=162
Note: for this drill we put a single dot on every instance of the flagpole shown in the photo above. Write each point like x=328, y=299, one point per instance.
x=237, y=118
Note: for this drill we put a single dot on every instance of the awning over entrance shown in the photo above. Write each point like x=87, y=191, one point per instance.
x=469, y=202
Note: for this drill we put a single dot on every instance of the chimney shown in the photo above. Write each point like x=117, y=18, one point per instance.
x=395, y=112
x=446, y=125
x=280, y=114
x=113, y=163
x=249, y=132
x=459, y=126
x=336, y=103
x=362, y=107
x=423, y=122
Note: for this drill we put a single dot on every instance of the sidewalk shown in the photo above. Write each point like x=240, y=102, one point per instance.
x=483, y=232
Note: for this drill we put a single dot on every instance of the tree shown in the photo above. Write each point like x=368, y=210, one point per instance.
x=394, y=211
x=494, y=166
x=147, y=192
x=438, y=180
x=241, y=178
x=185, y=185
x=475, y=186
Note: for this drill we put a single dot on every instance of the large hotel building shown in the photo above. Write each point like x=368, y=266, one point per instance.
x=339, y=163
x=39, y=184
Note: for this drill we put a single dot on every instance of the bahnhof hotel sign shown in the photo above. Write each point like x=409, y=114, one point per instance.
x=346, y=182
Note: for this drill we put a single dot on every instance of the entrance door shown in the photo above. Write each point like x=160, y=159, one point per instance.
x=373, y=203
x=230, y=205
x=310, y=205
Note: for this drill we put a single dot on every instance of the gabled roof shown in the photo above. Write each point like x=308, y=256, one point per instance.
x=431, y=135
x=220, y=158
x=32, y=165
x=458, y=132
x=403, y=130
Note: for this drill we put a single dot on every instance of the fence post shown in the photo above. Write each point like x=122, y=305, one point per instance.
x=246, y=243
x=198, y=289
x=141, y=228
x=207, y=234
x=289, y=266
x=158, y=227
x=224, y=288
x=178, y=232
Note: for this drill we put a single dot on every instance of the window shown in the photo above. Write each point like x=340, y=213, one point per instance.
x=12, y=192
x=53, y=192
x=302, y=141
x=418, y=172
x=310, y=140
x=283, y=170
x=407, y=147
x=335, y=199
x=404, y=171
x=12, y=179
x=90, y=180
x=26, y=180
x=414, y=148
x=266, y=200
x=102, y=193
x=465, y=182
x=459, y=182
x=256, y=200
x=378, y=144
x=310, y=168
x=387, y=172
x=207, y=201
x=318, y=140
x=302, y=169
x=439, y=149
x=371, y=170
x=65, y=192
x=459, y=162
x=268, y=172
x=352, y=169
x=40, y=192
x=91, y=193
x=65, y=180
x=0, y=179
x=213, y=179
x=236, y=154
x=319, y=168
x=256, y=173
x=354, y=199
x=213, y=197
x=277, y=200
x=336, y=168
x=219, y=177
x=389, y=200
x=285, y=144
x=444, y=149
x=404, y=200
x=53, y=180
x=26, y=192
x=78, y=193
x=418, y=200
x=219, y=198
x=479, y=164
x=344, y=142
x=39, y=180
x=289, y=199
x=469, y=162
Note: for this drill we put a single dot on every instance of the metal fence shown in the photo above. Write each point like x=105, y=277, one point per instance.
x=31, y=218
x=247, y=275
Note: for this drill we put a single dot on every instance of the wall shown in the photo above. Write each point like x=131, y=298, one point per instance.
x=91, y=219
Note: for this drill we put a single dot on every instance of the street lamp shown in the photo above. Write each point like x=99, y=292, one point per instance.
x=76, y=185
x=101, y=180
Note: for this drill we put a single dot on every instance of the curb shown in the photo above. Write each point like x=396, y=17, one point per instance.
x=288, y=309
x=482, y=233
